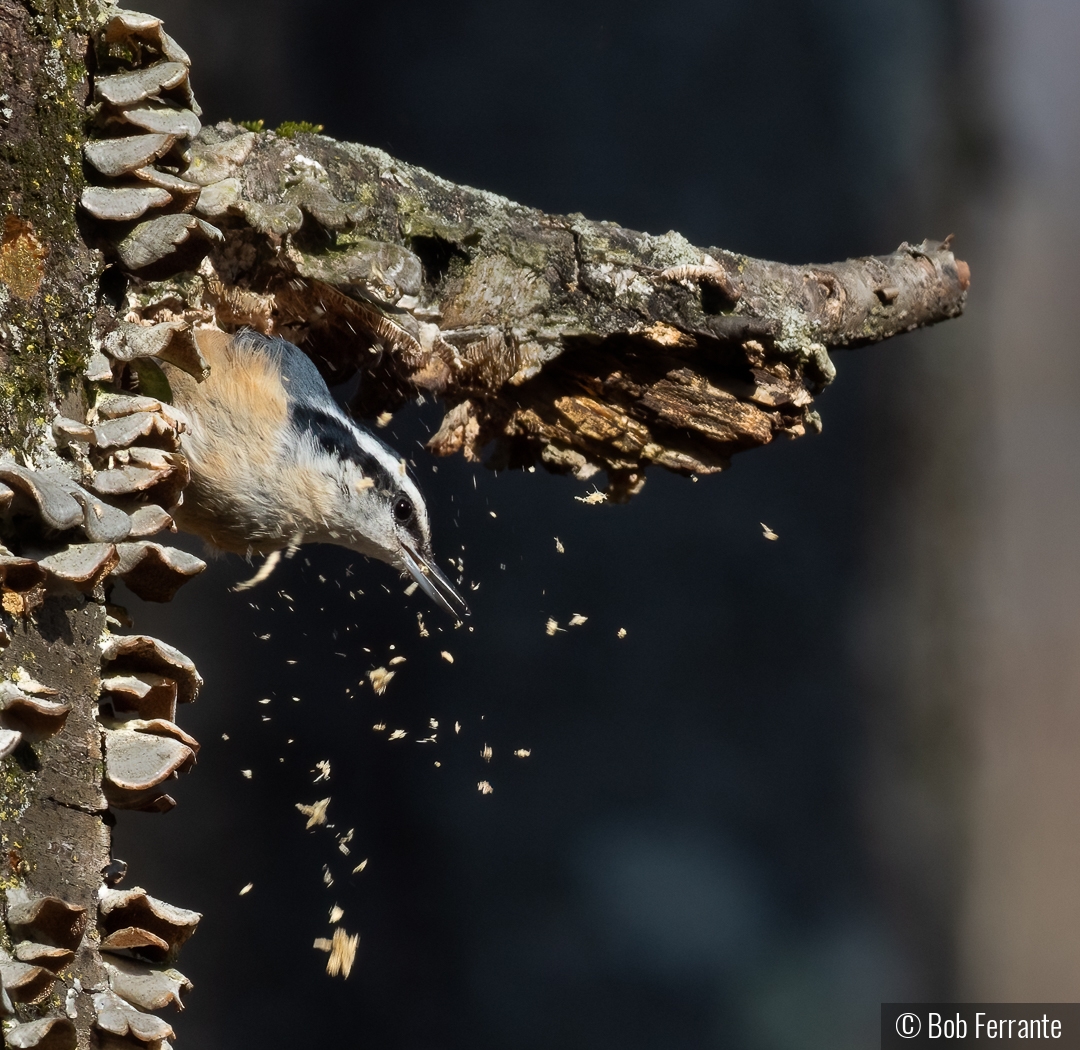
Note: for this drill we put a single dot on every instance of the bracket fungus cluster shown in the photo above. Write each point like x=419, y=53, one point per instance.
x=142, y=681
x=144, y=115
x=106, y=963
x=57, y=965
x=76, y=516
x=133, y=936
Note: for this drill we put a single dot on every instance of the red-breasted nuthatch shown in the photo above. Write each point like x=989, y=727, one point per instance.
x=275, y=463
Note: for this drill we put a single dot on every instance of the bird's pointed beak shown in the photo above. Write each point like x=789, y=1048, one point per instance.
x=433, y=583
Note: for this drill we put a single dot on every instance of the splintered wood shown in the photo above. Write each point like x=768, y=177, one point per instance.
x=315, y=813
x=342, y=949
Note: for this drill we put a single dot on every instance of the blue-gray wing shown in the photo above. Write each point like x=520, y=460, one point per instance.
x=302, y=380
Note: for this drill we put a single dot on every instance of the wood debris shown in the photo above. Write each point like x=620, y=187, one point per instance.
x=342, y=949
x=397, y=734
x=380, y=679
x=245, y=773
x=484, y=788
x=577, y=620
x=486, y=752
x=324, y=770
x=247, y=889
x=360, y=867
x=767, y=532
x=592, y=498
x=316, y=813
x=621, y=632
x=446, y=656
x=523, y=752
x=558, y=546
x=335, y=914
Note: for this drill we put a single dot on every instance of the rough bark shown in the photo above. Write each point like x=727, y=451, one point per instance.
x=579, y=344
x=53, y=838
x=57, y=988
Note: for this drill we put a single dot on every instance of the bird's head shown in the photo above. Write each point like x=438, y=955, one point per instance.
x=372, y=504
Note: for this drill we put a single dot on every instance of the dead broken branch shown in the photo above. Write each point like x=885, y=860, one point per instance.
x=576, y=343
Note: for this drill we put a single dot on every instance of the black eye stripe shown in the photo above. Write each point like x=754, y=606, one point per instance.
x=337, y=439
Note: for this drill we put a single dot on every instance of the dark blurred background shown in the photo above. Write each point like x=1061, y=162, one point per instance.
x=817, y=773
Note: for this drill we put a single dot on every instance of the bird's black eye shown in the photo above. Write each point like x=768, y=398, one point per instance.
x=403, y=510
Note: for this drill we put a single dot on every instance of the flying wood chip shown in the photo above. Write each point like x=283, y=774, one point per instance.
x=342, y=949
x=316, y=813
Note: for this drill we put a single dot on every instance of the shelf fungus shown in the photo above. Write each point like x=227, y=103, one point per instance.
x=146, y=987
x=84, y=565
x=118, y=1017
x=140, y=923
x=10, y=739
x=155, y=476
x=24, y=982
x=170, y=341
x=45, y=919
x=137, y=763
x=143, y=120
x=46, y=955
x=49, y=492
x=34, y=717
x=153, y=572
x=139, y=653
x=147, y=695
x=48, y=1033
x=22, y=583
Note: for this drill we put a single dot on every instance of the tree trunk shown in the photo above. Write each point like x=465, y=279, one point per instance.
x=578, y=344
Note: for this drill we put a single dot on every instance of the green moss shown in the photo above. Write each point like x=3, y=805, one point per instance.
x=15, y=787
x=48, y=335
x=291, y=128
x=250, y=125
